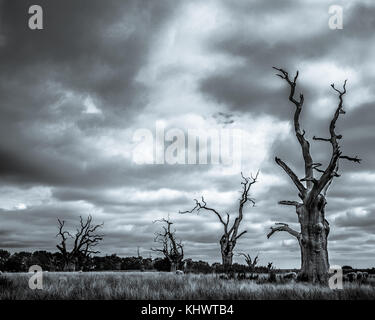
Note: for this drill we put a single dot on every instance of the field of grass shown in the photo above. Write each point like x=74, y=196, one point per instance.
x=160, y=286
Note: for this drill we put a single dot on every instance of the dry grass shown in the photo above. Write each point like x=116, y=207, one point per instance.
x=159, y=286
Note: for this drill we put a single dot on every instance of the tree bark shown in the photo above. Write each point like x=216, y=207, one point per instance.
x=227, y=252
x=227, y=260
x=313, y=242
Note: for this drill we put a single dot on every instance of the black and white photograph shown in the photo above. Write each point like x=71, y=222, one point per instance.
x=193, y=150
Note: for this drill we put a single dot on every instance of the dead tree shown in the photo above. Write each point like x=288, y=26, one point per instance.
x=229, y=238
x=84, y=240
x=312, y=190
x=171, y=248
x=269, y=266
x=250, y=262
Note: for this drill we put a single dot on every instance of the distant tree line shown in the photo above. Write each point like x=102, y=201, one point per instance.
x=54, y=261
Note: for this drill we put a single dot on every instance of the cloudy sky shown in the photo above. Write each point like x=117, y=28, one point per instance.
x=74, y=94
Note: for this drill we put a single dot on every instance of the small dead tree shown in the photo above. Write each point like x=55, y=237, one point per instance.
x=171, y=248
x=250, y=262
x=312, y=190
x=269, y=266
x=229, y=238
x=84, y=240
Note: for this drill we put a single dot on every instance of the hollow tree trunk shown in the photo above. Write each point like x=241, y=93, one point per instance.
x=313, y=242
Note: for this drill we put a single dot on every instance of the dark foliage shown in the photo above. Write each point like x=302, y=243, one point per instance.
x=48, y=261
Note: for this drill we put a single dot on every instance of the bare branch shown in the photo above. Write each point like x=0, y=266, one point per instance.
x=246, y=183
x=203, y=205
x=289, y=203
x=300, y=134
x=322, y=139
x=355, y=159
x=241, y=234
x=283, y=227
x=250, y=262
x=292, y=175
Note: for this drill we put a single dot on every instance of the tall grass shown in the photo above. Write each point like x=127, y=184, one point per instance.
x=160, y=286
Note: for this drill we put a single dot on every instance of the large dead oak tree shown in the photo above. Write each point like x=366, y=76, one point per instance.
x=229, y=238
x=171, y=248
x=312, y=191
x=84, y=240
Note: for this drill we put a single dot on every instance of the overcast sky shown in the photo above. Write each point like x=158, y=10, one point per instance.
x=74, y=94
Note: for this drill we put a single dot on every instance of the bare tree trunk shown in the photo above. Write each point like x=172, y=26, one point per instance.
x=227, y=260
x=313, y=242
x=173, y=267
x=227, y=252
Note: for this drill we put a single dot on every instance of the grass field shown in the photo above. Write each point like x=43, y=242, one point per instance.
x=158, y=285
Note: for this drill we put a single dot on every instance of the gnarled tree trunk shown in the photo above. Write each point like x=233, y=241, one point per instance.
x=313, y=242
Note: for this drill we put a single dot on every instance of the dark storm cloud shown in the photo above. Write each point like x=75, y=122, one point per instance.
x=97, y=53
x=247, y=88
x=352, y=220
